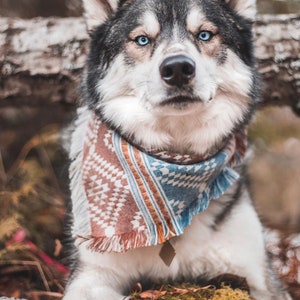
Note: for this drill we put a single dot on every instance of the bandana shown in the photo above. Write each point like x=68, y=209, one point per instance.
x=135, y=199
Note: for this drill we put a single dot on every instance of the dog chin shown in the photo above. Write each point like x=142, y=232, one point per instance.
x=180, y=101
x=181, y=105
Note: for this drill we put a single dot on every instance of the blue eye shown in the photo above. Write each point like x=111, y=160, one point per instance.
x=205, y=36
x=142, y=40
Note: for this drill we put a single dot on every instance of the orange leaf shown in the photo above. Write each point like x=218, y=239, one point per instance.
x=152, y=294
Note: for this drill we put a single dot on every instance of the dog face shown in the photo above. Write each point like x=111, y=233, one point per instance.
x=171, y=75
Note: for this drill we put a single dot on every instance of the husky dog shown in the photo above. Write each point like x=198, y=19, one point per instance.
x=165, y=80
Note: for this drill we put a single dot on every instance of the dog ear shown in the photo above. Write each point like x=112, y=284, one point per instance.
x=97, y=11
x=245, y=8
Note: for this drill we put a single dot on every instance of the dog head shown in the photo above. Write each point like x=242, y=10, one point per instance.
x=171, y=74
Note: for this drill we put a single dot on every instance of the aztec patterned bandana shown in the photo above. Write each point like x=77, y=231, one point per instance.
x=137, y=200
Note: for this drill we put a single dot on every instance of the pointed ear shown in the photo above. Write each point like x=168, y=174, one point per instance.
x=245, y=8
x=97, y=11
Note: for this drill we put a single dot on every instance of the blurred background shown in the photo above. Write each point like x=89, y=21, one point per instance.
x=67, y=8
x=33, y=178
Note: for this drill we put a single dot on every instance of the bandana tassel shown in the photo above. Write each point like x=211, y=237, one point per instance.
x=216, y=189
x=80, y=206
x=223, y=181
x=119, y=242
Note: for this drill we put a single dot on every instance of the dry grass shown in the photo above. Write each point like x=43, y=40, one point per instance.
x=31, y=220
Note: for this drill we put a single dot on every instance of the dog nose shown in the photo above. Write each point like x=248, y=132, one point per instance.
x=177, y=70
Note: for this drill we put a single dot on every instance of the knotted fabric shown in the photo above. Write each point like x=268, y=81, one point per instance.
x=135, y=199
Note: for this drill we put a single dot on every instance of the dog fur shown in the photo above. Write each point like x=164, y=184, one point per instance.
x=122, y=83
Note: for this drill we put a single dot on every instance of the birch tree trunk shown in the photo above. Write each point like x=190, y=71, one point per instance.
x=41, y=59
x=277, y=41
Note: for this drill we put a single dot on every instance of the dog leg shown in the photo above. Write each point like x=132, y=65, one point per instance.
x=92, y=285
x=264, y=284
x=91, y=293
x=275, y=290
x=277, y=293
x=267, y=286
x=238, y=247
x=260, y=295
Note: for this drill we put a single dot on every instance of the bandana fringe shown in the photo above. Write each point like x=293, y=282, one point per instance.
x=119, y=242
x=80, y=204
x=223, y=181
x=217, y=189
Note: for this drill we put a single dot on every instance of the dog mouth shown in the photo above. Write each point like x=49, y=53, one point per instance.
x=180, y=101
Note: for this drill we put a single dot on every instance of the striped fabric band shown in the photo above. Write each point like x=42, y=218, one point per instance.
x=136, y=200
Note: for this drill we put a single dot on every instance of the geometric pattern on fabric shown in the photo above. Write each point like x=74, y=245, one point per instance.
x=136, y=199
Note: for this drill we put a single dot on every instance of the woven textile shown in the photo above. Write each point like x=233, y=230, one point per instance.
x=137, y=200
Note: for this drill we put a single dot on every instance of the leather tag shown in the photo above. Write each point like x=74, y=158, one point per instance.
x=167, y=253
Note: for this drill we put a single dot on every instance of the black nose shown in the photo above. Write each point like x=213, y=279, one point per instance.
x=177, y=70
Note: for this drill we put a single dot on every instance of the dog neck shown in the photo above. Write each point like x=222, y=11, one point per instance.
x=179, y=158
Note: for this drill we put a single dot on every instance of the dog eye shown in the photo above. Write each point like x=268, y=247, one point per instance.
x=205, y=36
x=142, y=40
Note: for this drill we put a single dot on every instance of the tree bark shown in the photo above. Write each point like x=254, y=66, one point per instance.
x=277, y=42
x=41, y=60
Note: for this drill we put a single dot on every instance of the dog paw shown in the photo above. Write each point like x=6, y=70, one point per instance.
x=88, y=293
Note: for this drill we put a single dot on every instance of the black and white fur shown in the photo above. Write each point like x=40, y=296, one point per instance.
x=127, y=84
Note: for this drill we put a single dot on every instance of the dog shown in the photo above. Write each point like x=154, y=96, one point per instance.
x=158, y=148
